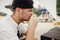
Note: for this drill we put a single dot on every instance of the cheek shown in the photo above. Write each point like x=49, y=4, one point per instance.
x=26, y=15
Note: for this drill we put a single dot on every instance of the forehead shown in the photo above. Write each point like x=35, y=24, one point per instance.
x=28, y=9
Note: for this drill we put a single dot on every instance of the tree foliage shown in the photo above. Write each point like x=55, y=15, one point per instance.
x=2, y=14
x=36, y=11
x=58, y=7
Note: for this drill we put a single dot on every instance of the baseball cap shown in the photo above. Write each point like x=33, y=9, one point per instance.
x=21, y=4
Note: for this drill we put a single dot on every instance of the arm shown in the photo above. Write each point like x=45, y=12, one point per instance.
x=31, y=27
x=30, y=34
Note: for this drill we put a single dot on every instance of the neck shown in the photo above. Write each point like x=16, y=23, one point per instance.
x=16, y=18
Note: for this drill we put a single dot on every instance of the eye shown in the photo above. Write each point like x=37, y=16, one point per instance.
x=30, y=10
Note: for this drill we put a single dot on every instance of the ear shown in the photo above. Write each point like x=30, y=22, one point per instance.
x=18, y=10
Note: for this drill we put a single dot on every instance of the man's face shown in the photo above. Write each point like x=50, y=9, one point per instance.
x=26, y=14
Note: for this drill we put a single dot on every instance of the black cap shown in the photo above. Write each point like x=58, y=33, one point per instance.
x=21, y=4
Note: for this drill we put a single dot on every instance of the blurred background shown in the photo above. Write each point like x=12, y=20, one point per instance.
x=47, y=11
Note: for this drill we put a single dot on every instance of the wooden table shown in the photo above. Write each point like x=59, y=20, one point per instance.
x=53, y=34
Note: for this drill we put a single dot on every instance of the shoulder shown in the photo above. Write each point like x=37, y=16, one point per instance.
x=4, y=20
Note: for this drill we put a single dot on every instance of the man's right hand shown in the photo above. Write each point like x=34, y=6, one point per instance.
x=33, y=21
x=31, y=27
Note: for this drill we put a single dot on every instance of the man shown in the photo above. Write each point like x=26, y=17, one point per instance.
x=22, y=11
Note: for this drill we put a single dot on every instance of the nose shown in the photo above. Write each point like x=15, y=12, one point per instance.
x=31, y=13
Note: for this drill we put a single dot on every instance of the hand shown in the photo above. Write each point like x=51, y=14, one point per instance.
x=33, y=21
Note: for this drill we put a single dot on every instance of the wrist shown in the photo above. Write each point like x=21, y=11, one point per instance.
x=31, y=28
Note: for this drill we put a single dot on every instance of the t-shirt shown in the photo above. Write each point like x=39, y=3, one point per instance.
x=8, y=28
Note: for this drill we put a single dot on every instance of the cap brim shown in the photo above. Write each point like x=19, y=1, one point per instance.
x=9, y=6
